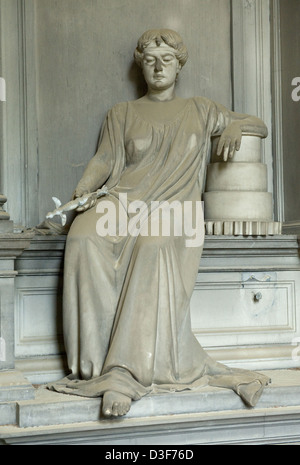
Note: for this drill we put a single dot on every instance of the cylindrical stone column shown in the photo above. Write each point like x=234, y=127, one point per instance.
x=236, y=198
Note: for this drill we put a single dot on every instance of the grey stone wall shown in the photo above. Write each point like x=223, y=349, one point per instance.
x=73, y=60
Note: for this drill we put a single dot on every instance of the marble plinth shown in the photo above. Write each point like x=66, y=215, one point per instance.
x=236, y=200
x=250, y=150
x=241, y=206
x=210, y=416
x=231, y=176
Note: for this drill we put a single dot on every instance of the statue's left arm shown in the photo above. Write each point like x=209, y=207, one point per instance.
x=234, y=125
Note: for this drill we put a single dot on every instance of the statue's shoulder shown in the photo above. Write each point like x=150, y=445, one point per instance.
x=203, y=102
x=206, y=107
x=119, y=108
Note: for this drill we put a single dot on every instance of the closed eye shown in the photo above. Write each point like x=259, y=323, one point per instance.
x=150, y=60
x=168, y=58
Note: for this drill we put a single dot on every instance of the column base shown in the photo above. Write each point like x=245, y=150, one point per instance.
x=242, y=228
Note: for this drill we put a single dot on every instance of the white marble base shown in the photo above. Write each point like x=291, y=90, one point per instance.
x=242, y=228
x=236, y=198
x=238, y=206
x=210, y=416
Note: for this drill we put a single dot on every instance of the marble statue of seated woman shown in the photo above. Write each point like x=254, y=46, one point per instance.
x=126, y=299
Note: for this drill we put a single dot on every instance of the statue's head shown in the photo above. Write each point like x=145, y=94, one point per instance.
x=158, y=37
x=161, y=54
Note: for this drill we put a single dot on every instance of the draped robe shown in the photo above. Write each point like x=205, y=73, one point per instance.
x=126, y=301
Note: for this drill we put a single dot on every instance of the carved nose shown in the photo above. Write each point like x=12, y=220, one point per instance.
x=158, y=65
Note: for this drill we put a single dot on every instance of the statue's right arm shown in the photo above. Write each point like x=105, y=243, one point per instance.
x=94, y=176
x=109, y=155
x=99, y=167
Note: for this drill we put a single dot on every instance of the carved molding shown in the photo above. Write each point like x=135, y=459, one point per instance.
x=38, y=305
x=269, y=320
x=251, y=67
x=18, y=122
x=277, y=113
x=247, y=228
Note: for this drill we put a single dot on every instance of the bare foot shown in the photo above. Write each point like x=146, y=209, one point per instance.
x=115, y=404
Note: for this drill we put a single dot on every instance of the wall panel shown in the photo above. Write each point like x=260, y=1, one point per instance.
x=84, y=65
x=66, y=62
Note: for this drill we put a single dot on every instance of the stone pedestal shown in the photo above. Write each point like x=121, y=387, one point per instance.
x=237, y=201
x=211, y=416
x=13, y=385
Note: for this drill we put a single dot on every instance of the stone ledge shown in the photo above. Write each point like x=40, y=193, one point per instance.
x=221, y=252
x=269, y=426
x=14, y=386
x=51, y=243
x=12, y=244
x=210, y=416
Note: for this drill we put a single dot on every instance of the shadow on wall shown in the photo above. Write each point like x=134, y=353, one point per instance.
x=137, y=81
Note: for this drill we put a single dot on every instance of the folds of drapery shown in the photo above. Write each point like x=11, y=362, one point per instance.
x=126, y=298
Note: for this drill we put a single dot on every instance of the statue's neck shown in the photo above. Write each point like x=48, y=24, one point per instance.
x=161, y=95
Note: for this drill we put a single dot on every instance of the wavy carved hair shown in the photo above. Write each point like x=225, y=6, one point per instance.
x=169, y=37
